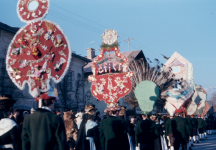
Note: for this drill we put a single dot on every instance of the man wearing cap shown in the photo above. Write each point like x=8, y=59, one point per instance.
x=9, y=137
x=113, y=132
x=44, y=130
x=180, y=130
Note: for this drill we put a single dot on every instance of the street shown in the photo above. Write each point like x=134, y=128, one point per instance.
x=208, y=144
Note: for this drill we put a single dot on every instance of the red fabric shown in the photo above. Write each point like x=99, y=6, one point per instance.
x=178, y=111
x=44, y=97
x=27, y=55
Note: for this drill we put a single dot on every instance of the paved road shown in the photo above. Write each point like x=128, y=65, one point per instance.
x=208, y=144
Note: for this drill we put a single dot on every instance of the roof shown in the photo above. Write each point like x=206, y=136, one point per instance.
x=8, y=28
x=81, y=57
x=131, y=55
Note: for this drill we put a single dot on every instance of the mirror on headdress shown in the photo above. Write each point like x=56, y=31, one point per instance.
x=33, y=5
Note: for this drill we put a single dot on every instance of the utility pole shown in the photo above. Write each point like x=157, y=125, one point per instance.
x=128, y=40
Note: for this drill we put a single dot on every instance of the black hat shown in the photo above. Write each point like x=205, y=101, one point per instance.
x=6, y=101
x=90, y=107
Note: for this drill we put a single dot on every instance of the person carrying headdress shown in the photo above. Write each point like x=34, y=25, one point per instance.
x=44, y=130
x=113, y=131
x=9, y=137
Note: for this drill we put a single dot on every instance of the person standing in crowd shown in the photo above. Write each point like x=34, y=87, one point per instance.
x=97, y=118
x=88, y=131
x=204, y=128
x=25, y=114
x=70, y=128
x=58, y=113
x=131, y=131
x=189, y=130
x=32, y=110
x=145, y=134
x=209, y=123
x=200, y=128
x=15, y=116
x=180, y=133
x=9, y=138
x=44, y=130
x=195, y=128
x=169, y=132
x=113, y=133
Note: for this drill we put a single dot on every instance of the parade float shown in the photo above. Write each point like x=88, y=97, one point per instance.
x=111, y=78
x=179, y=96
x=39, y=51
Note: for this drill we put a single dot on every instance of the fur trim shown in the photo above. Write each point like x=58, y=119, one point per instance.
x=6, y=125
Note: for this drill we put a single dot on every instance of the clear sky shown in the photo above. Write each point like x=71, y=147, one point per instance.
x=157, y=27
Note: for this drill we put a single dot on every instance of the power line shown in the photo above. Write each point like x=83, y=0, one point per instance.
x=128, y=40
x=84, y=25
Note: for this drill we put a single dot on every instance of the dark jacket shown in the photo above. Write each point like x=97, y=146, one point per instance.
x=201, y=123
x=194, y=123
x=43, y=130
x=189, y=126
x=180, y=129
x=168, y=127
x=145, y=132
x=113, y=134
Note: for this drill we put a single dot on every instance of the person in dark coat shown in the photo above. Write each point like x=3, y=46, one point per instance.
x=145, y=134
x=209, y=123
x=44, y=130
x=113, y=132
x=9, y=137
x=88, y=131
x=201, y=125
x=180, y=131
x=97, y=117
x=169, y=132
x=195, y=128
x=190, y=131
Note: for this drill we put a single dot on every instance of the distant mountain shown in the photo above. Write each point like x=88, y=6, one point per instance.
x=210, y=92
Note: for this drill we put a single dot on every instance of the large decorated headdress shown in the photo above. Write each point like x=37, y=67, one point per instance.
x=39, y=51
x=110, y=79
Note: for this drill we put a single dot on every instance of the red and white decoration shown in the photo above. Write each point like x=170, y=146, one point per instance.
x=29, y=16
x=38, y=52
x=109, y=86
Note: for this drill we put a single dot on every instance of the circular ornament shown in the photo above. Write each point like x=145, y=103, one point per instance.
x=110, y=36
x=38, y=52
x=147, y=93
x=32, y=10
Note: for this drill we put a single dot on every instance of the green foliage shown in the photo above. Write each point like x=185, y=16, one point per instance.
x=109, y=46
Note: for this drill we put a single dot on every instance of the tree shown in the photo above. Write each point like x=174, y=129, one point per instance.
x=69, y=96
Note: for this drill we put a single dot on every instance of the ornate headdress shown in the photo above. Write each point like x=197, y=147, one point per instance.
x=110, y=79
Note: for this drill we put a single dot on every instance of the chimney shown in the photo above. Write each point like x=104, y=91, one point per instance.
x=90, y=53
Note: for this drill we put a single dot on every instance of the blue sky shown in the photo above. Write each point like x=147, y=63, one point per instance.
x=157, y=27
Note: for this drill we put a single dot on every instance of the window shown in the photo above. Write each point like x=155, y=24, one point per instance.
x=70, y=80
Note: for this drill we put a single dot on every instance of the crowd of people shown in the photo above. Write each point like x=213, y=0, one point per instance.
x=88, y=130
